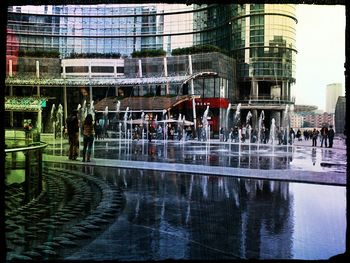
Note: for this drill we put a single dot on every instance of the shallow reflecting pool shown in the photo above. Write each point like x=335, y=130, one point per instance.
x=187, y=216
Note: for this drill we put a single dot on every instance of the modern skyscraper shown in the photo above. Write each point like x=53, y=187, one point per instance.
x=340, y=115
x=333, y=91
x=261, y=37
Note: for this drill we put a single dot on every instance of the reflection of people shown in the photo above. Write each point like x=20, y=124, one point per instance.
x=313, y=156
x=88, y=132
x=73, y=135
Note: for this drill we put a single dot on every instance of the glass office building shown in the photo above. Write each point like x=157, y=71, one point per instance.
x=260, y=38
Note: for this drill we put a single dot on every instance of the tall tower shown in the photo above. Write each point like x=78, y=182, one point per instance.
x=261, y=37
x=263, y=43
x=333, y=91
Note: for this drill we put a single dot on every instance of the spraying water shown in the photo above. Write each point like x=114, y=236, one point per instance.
x=125, y=119
x=273, y=133
x=52, y=118
x=260, y=121
x=227, y=114
x=205, y=122
x=53, y=121
x=248, y=126
x=60, y=119
x=286, y=125
x=142, y=120
x=238, y=115
x=84, y=110
x=92, y=110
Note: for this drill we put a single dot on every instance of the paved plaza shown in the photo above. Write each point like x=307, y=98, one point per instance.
x=300, y=162
x=140, y=200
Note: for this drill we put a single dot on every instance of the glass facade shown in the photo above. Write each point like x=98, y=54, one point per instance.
x=264, y=40
x=261, y=37
x=102, y=29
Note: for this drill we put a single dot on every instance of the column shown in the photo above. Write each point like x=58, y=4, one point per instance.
x=140, y=69
x=254, y=118
x=284, y=95
x=255, y=89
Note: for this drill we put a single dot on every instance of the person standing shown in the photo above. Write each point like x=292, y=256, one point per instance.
x=324, y=134
x=88, y=132
x=330, y=136
x=314, y=136
x=73, y=135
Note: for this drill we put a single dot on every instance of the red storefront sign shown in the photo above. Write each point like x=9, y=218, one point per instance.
x=211, y=102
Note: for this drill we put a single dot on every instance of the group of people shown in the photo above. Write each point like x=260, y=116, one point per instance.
x=72, y=124
x=235, y=134
x=88, y=130
x=326, y=136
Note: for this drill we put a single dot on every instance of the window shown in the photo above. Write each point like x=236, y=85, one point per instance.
x=77, y=69
x=120, y=69
x=102, y=69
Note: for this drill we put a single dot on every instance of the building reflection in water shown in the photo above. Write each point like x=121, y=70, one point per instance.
x=208, y=216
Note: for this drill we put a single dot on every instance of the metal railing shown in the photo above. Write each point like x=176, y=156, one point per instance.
x=23, y=165
x=267, y=99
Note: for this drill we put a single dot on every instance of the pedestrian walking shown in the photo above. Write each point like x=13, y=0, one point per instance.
x=330, y=136
x=314, y=136
x=72, y=123
x=88, y=132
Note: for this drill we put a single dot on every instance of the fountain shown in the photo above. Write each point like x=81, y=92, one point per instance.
x=226, y=120
x=248, y=126
x=286, y=126
x=183, y=129
x=164, y=124
x=117, y=107
x=178, y=125
x=125, y=120
x=92, y=110
x=53, y=121
x=117, y=110
x=238, y=115
x=142, y=120
x=273, y=133
x=83, y=111
x=59, y=118
x=260, y=122
x=205, y=123
x=120, y=132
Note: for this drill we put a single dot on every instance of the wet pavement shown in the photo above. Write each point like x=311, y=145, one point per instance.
x=143, y=201
x=300, y=162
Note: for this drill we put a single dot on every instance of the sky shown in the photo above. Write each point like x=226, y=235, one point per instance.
x=320, y=41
